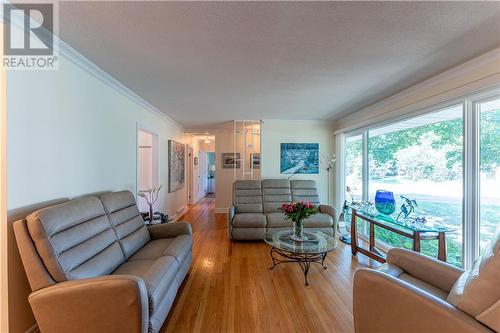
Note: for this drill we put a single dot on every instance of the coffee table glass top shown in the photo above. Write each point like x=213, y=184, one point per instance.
x=318, y=242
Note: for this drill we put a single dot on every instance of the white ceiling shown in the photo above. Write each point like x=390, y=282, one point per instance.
x=203, y=63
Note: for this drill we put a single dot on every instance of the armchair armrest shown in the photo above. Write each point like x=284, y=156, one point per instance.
x=169, y=230
x=117, y=303
x=383, y=303
x=427, y=269
x=230, y=215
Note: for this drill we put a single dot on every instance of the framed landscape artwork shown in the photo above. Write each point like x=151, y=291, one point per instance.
x=176, y=159
x=228, y=161
x=299, y=158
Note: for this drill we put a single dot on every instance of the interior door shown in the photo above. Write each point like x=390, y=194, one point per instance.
x=191, y=175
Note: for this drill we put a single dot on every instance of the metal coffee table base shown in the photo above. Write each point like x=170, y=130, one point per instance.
x=303, y=259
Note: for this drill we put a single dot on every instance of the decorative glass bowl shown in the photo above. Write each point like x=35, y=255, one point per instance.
x=384, y=202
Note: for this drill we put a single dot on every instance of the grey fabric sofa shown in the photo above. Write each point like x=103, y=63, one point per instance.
x=256, y=207
x=93, y=265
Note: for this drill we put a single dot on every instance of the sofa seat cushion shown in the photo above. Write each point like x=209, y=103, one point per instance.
x=158, y=275
x=277, y=220
x=249, y=220
x=318, y=220
x=391, y=270
x=178, y=247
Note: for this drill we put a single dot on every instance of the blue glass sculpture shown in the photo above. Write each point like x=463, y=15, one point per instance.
x=384, y=202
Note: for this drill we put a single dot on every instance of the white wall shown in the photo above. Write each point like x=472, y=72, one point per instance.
x=70, y=134
x=4, y=304
x=223, y=177
x=275, y=132
x=147, y=165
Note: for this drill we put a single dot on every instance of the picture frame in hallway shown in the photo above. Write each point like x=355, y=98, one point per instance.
x=229, y=161
x=256, y=160
x=299, y=158
x=176, y=165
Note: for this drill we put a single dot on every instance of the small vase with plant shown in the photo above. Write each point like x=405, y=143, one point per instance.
x=151, y=196
x=297, y=212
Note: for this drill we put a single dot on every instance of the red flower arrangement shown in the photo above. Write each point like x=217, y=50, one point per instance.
x=297, y=212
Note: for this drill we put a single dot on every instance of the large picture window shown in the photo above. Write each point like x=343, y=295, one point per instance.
x=429, y=158
x=353, y=168
x=489, y=157
x=421, y=158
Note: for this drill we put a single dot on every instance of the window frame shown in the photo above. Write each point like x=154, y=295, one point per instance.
x=471, y=167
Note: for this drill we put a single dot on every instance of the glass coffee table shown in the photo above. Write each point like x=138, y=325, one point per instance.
x=314, y=250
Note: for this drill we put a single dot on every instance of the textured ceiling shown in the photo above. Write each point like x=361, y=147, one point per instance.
x=203, y=63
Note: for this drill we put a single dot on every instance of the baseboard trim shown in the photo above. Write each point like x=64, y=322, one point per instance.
x=180, y=212
x=33, y=329
x=222, y=210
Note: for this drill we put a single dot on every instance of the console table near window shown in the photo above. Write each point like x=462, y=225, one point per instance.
x=416, y=234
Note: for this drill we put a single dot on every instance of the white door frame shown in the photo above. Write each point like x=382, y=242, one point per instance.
x=156, y=138
x=190, y=173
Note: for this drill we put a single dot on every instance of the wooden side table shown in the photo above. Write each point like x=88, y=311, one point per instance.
x=413, y=233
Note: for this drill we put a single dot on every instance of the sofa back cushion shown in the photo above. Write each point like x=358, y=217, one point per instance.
x=126, y=221
x=304, y=190
x=478, y=288
x=75, y=239
x=247, y=196
x=275, y=192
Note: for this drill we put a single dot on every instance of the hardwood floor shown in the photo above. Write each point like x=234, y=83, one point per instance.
x=231, y=289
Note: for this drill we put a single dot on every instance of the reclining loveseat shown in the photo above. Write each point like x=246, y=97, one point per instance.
x=256, y=207
x=93, y=265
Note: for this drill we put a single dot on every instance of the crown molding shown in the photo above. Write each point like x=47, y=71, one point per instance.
x=71, y=54
x=384, y=104
x=308, y=122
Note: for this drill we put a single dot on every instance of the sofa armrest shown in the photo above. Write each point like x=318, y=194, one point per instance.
x=117, y=303
x=383, y=303
x=230, y=215
x=169, y=230
x=327, y=209
x=427, y=269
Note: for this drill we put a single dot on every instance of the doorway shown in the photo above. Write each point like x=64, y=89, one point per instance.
x=147, y=166
x=210, y=171
x=190, y=171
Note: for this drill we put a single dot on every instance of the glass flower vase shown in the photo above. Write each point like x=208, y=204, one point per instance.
x=298, y=232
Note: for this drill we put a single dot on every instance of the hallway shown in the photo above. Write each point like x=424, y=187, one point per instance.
x=231, y=289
